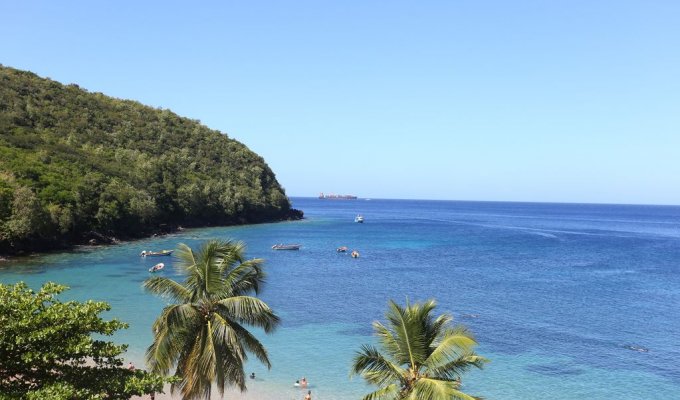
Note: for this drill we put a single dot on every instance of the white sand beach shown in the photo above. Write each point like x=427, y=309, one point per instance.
x=254, y=392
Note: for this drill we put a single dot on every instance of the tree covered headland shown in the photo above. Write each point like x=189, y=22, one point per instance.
x=77, y=166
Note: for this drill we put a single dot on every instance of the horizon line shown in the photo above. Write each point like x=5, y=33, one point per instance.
x=495, y=201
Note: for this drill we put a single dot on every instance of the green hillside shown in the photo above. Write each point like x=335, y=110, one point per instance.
x=77, y=166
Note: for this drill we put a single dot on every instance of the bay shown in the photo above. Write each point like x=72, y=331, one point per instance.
x=567, y=300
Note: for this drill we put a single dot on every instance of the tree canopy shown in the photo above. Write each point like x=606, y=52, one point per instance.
x=47, y=350
x=76, y=165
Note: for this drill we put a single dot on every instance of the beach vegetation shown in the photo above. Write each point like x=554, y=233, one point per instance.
x=202, y=335
x=420, y=356
x=48, y=349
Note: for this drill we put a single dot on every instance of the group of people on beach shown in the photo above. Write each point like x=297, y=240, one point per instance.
x=302, y=383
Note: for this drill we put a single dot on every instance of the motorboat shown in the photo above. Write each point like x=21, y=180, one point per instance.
x=342, y=249
x=359, y=219
x=156, y=253
x=157, y=267
x=355, y=254
x=286, y=246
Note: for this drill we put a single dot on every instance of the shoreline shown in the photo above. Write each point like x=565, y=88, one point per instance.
x=254, y=392
x=96, y=239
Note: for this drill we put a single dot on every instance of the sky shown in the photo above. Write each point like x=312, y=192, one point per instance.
x=547, y=101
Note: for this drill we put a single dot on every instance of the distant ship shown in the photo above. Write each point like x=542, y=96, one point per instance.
x=332, y=196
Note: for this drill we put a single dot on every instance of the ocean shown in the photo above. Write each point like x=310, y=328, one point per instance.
x=568, y=301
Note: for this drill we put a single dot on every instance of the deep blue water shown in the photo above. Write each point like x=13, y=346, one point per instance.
x=559, y=296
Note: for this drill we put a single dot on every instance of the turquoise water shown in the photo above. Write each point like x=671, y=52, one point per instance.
x=559, y=296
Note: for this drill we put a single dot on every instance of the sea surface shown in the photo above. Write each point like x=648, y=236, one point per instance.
x=569, y=301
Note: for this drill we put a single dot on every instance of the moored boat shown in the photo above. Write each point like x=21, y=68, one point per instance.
x=359, y=219
x=355, y=254
x=157, y=267
x=156, y=253
x=342, y=249
x=286, y=247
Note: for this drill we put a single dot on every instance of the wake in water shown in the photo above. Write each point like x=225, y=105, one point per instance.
x=637, y=348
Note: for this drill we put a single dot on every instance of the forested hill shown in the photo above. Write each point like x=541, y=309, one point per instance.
x=78, y=166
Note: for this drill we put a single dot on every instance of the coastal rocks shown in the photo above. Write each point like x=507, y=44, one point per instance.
x=294, y=215
x=95, y=238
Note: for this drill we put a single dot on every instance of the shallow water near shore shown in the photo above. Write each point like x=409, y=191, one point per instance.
x=567, y=300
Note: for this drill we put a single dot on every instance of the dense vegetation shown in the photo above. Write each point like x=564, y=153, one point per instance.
x=47, y=350
x=76, y=166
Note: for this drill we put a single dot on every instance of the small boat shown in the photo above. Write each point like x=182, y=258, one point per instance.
x=342, y=249
x=355, y=254
x=359, y=219
x=157, y=267
x=637, y=348
x=286, y=246
x=156, y=253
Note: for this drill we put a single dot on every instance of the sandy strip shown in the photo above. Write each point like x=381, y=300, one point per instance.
x=254, y=393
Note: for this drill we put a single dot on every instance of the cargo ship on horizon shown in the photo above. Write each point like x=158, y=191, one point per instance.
x=332, y=196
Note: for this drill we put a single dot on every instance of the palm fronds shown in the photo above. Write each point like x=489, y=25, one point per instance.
x=202, y=336
x=422, y=357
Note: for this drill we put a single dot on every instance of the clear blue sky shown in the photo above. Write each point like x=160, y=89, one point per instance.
x=574, y=101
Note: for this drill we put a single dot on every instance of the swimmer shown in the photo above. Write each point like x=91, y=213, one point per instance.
x=252, y=375
x=308, y=396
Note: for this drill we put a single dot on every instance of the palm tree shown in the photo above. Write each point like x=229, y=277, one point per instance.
x=202, y=333
x=423, y=357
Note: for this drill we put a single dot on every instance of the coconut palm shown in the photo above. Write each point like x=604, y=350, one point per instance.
x=423, y=357
x=202, y=332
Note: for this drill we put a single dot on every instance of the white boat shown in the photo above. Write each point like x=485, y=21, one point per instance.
x=161, y=253
x=359, y=219
x=157, y=267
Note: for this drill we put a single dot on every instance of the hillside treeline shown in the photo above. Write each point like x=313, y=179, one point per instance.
x=77, y=166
